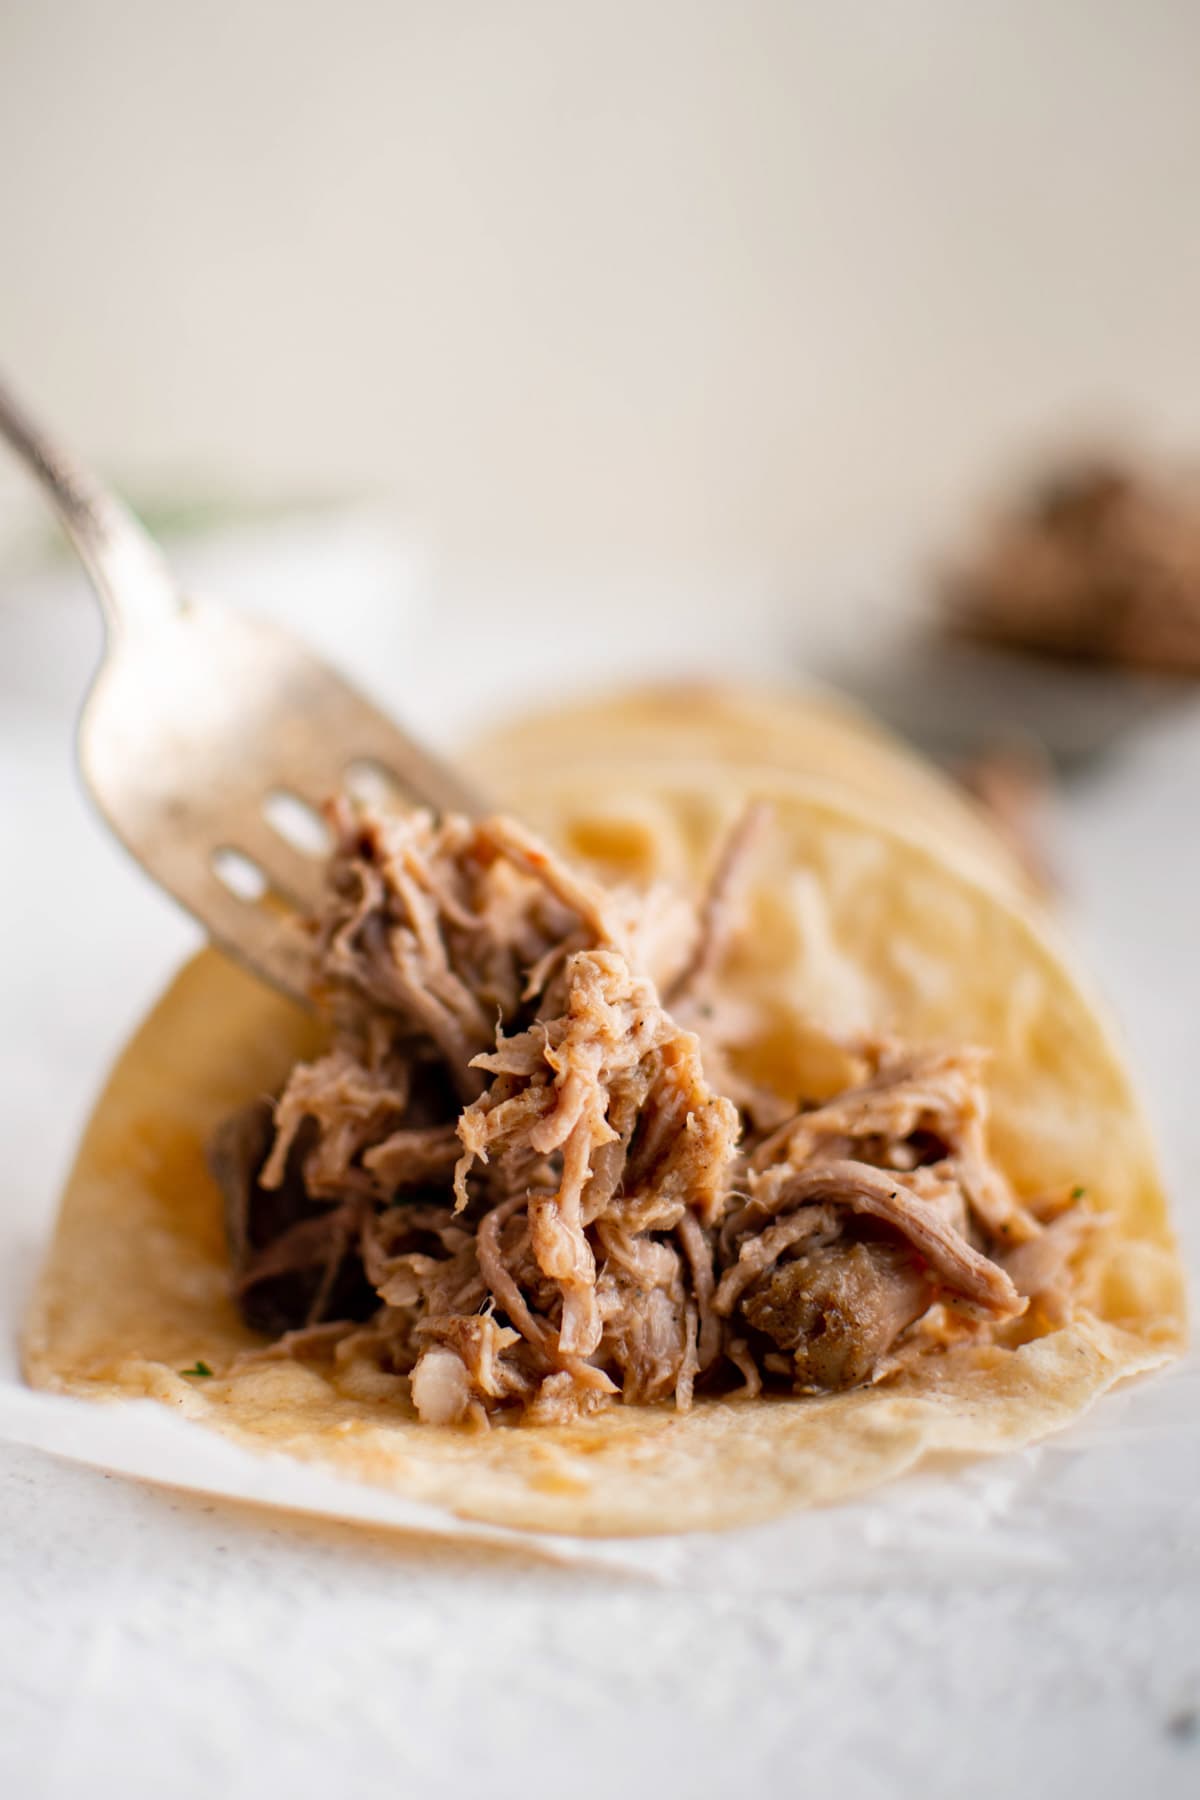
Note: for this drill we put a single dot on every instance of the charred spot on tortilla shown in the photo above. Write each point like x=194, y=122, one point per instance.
x=527, y=1175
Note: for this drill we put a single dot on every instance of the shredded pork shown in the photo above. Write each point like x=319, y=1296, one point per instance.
x=511, y=1179
x=1100, y=562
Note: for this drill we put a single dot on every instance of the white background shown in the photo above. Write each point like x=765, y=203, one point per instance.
x=673, y=314
x=706, y=281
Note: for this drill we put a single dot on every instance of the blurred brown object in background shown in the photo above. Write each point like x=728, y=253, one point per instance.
x=1014, y=783
x=1099, y=563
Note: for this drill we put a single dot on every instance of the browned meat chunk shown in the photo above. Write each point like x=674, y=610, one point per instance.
x=837, y=1311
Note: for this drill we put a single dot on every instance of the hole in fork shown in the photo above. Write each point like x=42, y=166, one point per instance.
x=298, y=823
x=244, y=879
x=370, y=783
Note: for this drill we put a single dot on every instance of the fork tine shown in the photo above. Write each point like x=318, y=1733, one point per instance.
x=417, y=778
x=271, y=939
x=291, y=872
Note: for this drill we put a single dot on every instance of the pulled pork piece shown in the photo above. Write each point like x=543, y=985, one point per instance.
x=881, y=1195
x=295, y=1260
x=1100, y=563
x=511, y=1179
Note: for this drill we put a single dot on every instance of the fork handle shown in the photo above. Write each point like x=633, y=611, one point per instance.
x=128, y=571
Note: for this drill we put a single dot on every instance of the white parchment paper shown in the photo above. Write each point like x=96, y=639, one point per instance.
x=1121, y=1486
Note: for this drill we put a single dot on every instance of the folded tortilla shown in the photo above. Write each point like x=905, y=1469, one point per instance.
x=819, y=736
x=852, y=925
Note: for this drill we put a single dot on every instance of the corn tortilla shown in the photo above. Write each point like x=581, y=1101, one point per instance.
x=820, y=736
x=851, y=924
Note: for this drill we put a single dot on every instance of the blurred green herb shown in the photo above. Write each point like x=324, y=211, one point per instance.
x=197, y=1368
x=193, y=514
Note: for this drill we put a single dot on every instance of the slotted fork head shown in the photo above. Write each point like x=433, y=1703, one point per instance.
x=193, y=725
x=199, y=721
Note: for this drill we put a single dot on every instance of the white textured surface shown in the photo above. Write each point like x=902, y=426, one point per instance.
x=157, y=1644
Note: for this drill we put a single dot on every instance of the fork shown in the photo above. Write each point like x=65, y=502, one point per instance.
x=210, y=740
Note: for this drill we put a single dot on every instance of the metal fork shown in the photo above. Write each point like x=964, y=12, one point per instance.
x=209, y=738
